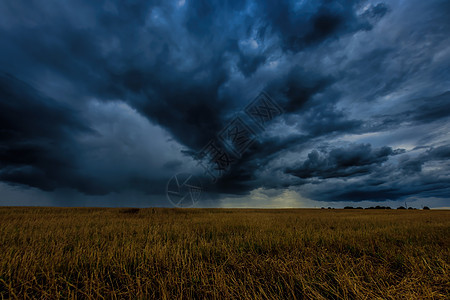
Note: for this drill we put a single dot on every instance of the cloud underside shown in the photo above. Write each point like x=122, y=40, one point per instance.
x=103, y=98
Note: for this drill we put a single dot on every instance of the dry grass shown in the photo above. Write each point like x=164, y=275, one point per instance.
x=217, y=253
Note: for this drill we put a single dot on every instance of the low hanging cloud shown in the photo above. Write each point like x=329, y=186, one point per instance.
x=360, y=173
x=343, y=162
x=36, y=137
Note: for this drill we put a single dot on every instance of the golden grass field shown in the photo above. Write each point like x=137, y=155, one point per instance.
x=223, y=253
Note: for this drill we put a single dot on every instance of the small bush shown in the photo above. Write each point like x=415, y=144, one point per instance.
x=130, y=211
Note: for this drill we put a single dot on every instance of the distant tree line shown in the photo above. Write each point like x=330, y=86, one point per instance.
x=379, y=207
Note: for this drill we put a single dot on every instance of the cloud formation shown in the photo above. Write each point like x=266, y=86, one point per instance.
x=103, y=98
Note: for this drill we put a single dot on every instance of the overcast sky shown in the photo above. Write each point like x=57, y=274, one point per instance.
x=102, y=102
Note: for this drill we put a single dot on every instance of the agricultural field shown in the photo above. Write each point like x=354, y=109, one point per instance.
x=163, y=253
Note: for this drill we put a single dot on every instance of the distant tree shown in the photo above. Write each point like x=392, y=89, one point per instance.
x=401, y=207
x=359, y=207
x=130, y=210
x=378, y=207
x=349, y=207
x=426, y=208
x=410, y=207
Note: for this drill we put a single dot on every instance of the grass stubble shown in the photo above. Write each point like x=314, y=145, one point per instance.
x=223, y=253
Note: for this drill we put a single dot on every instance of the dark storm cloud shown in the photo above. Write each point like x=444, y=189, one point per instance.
x=325, y=119
x=39, y=145
x=430, y=109
x=426, y=110
x=388, y=188
x=373, y=176
x=300, y=25
x=148, y=86
x=298, y=86
x=145, y=54
x=343, y=162
x=188, y=67
x=414, y=165
x=36, y=136
x=376, y=12
x=407, y=52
